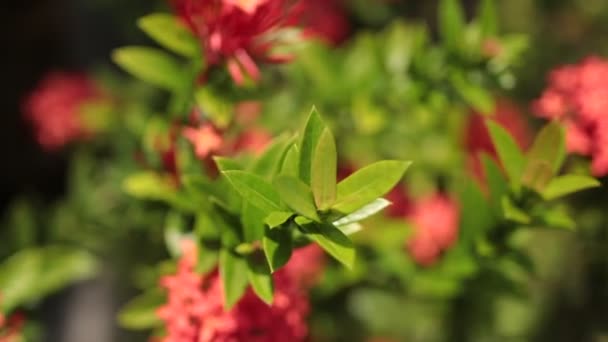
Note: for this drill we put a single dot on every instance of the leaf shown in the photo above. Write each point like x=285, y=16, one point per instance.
x=140, y=312
x=216, y=107
x=171, y=33
x=252, y=219
x=233, y=272
x=367, y=184
x=495, y=179
x=277, y=218
x=312, y=133
x=508, y=151
x=545, y=157
x=324, y=171
x=291, y=162
x=475, y=95
x=333, y=241
x=513, y=213
x=488, y=18
x=227, y=164
x=476, y=216
x=297, y=196
x=148, y=185
x=565, y=185
x=366, y=211
x=277, y=246
x=451, y=22
x=151, y=65
x=255, y=190
x=259, y=276
x=268, y=164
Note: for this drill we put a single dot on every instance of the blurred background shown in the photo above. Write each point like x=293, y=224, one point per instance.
x=38, y=36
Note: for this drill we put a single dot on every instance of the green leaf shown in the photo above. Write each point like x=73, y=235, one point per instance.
x=495, y=179
x=333, y=241
x=277, y=246
x=513, y=213
x=451, y=23
x=252, y=219
x=233, y=272
x=140, y=312
x=545, y=157
x=148, y=185
x=254, y=189
x=508, y=151
x=277, y=218
x=565, y=185
x=324, y=171
x=260, y=276
x=297, y=196
x=312, y=133
x=268, y=164
x=215, y=106
x=557, y=218
x=363, y=213
x=151, y=65
x=171, y=33
x=291, y=162
x=488, y=18
x=476, y=216
x=475, y=95
x=227, y=164
x=367, y=184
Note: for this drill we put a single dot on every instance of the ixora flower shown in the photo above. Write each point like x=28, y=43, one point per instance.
x=577, y=95
x=204, y=138
x=322, y=19
x=11, y=327
x=234, y=32
x=477, y=137
x=435, y=222
x=55, y=108
x=195, y=310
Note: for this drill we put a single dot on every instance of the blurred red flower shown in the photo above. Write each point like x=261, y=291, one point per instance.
x=11, y=327
x=323, y=19
x=55, y=106
x=577, y=95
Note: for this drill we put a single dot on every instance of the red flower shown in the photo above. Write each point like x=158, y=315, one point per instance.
x=323, y=19
x=306, y=265
x=55, y=108
x=477, y=137
x=195, y=310
x=253, y=140
x=577, y=95
x=205, y=140
x=435, y=221
x=11, y=327
x=232, y=32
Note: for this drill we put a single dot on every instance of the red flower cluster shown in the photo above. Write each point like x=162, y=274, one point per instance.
x=233, y=31
x=195, y=309
x=578, y=96
x=54, y=108
x=322, y=19
x=10, y=327
x=477, y=137
x=435, y=221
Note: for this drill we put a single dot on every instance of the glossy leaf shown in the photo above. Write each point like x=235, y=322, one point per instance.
x=277, y=246
x=367, y=184
x=366, y=211
x=333, y=241
x=252, y=219
x=297, y=196
x=260, y=276
x=568, y=184
x=277, y=218
x=291, y=163
x=255, y=190
x=324, y=171
x=171, y=33
x=508, y=151
x=233, y=273
x=151, y=65
x=312, y=133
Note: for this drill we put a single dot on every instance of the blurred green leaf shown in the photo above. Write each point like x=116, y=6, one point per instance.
x=451, y=23
x=497, y=184
x=324, y=171
x=140, y=312
x=545, y=157
x=297, y=196
x=269, y=163
x=278, y=246
x=255, y=190
x=233, y=272
x=475, y=95
x=513, y=213
x=568, y=184
x=151, y=65
x=488, y=18
x=333, y=241
x=260, y=276
x=509, y=153
x=171, y=33
x=367, y=184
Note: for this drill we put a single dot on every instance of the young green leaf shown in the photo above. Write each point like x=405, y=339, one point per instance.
x=545, y=157
x=363, y=213
x=291, y=163
x=497, y=184
x=488, y=18
x=333, y=241
x=312, y=133
x=151, y=65
x=451, y=22
x=277, y=218
x=227, y=164
x=233, y=273
x=260, y=276
x=509, y=153
x=513, y=213
x=297, y=195
x=324, y=171
x=565, y=185
x=268, y=164
x=140, y=312
x=277, y=246
x=171, y=33
x=367, y=184
x=475, y=95
x=254, y=189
